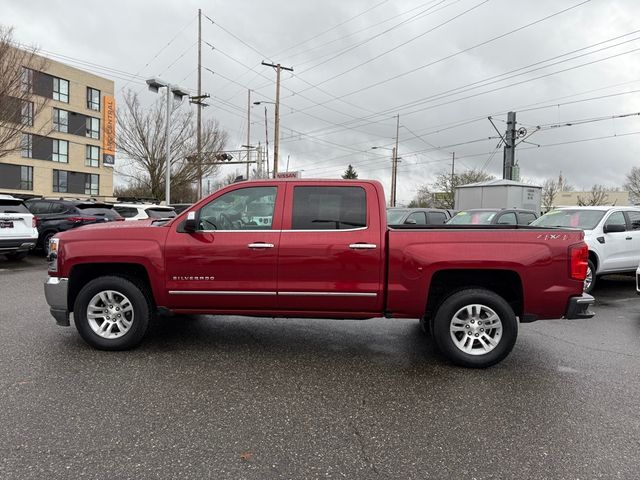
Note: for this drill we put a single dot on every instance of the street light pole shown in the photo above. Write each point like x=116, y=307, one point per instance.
x=155, y=85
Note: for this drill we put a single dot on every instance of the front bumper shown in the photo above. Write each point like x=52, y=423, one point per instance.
x=55, y=291
x=578, y=307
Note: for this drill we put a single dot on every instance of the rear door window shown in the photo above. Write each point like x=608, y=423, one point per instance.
x=126, y=212
x=90, y=210
x=39, y=207
x=437, y=218
x=525, y=218
x=634, y=220
x=329, y=208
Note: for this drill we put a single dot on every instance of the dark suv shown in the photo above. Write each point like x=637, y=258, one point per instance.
x=417, y=216
x=53, y=216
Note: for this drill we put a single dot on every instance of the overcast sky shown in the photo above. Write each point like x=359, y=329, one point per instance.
x=443, y=65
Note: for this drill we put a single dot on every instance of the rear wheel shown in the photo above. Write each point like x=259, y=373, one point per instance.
x=112, y=313
x=45, y=242
x=590, y=279
x=475, y=328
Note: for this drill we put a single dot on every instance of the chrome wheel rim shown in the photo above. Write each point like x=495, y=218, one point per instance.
x=110, y=314
x=475, y=329
x=588, y=279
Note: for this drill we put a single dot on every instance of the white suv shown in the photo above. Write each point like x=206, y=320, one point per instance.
x=142, y=211
x=612, y=234
x=18, y=232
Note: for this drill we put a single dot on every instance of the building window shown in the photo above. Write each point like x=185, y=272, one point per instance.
x=93, y=99
x=27, y=80
x=91, y=184
x=60, y=151
x=26, y=145
x=93, y=127
x=26, y=178
x=27, y=113
x=93, y=156
x=60, y=183
x=61, y=120
x=61, y=90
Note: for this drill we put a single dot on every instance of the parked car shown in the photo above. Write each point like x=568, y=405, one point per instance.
x=180, y=207
x=494, y=216
x=18, y=232
x=612, y=234
x=142, y=211
x=417, y=216
x=323, y=250
x=53, y=216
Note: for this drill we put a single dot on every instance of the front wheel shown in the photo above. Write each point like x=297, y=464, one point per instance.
x=475, y=328
x=112, y=313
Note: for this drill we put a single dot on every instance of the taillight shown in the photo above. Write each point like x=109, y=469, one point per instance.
x=81, y=219
x=34, y=222
x=578, y=261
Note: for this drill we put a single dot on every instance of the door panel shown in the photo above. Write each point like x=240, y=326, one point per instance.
x=616, y=247
x=331, y=254
x=231, y=263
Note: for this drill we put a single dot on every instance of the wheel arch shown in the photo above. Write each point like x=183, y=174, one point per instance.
x=83, y=273
x=505, y=283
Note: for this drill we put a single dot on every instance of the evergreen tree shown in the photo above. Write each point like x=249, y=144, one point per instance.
x=350, y=172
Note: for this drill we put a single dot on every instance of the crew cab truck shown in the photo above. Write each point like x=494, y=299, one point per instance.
x=316, y=249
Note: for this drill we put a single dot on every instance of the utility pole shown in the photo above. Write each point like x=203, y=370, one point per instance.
x=453, y=168
x=394, y=165
x=199, y=114
x=509, y=147
x=266, y=138
x=248, y=129
x=167, y=166
x=276, y=128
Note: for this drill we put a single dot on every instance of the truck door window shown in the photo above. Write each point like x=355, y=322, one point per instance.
x=616, y=218
x=419, y=217
x=507, y=219
x=329, y=208
x=248, y=208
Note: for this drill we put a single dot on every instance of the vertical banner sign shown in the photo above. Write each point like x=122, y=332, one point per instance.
x=109, y=131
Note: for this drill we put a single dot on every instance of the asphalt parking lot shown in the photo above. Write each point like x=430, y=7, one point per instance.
x=231, y=397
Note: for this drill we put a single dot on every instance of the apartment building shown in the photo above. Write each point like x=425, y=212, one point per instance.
x=68, y=148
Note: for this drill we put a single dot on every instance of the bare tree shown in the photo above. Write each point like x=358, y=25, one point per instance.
x=142, y=140
x=423, y=199
x=633, y=184
x=550, y=190
x=597, y=196
x=18, y=105
x=445, y=185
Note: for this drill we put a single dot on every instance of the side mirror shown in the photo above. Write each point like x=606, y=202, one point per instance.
x=614, y=228
x=410, y=221
x=191, y=224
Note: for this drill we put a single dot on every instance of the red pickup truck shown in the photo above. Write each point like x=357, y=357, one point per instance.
x=317, y=249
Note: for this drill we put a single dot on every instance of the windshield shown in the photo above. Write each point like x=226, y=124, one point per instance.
x=583, y=219
x=478, y=217
x=395, y=216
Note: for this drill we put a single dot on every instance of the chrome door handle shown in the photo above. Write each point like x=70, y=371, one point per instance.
x=363, y=246
x=260, y=245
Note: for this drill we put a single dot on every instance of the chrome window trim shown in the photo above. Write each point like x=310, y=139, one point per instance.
x=282, y=231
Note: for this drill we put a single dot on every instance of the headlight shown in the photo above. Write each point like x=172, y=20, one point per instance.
x=54, y=245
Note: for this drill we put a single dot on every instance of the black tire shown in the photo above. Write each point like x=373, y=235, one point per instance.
x=426, y=327
x=592, y=285
x=45, y=242
x=141, y=308
x=17, y=255
x=452, y=306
